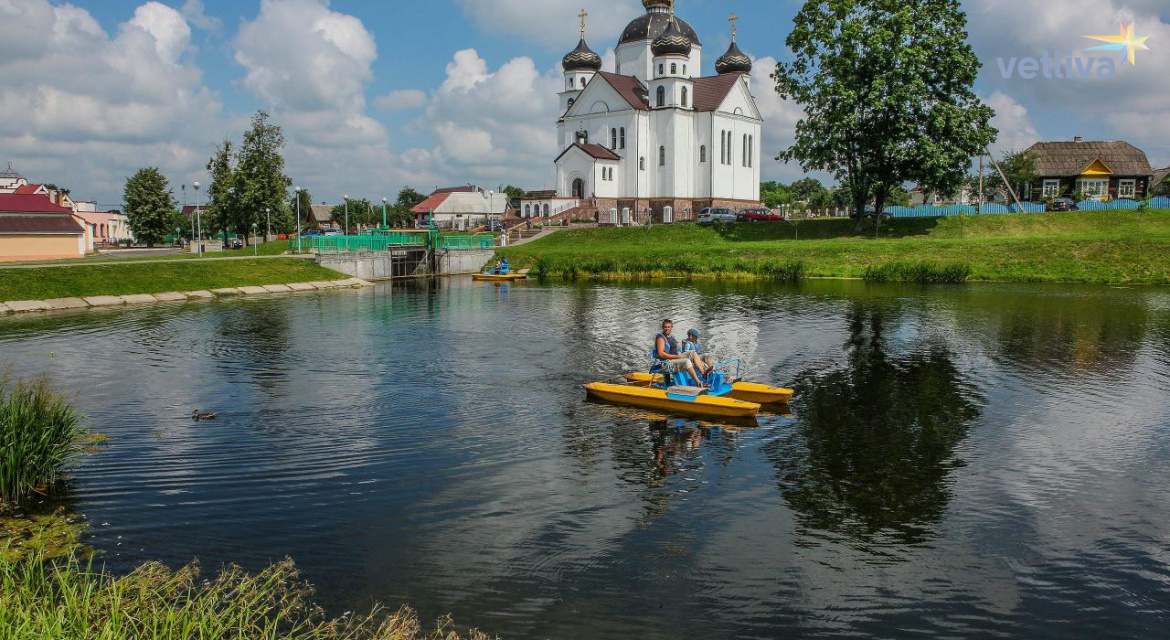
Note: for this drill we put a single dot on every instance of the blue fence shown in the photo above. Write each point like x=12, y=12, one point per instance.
x=1029, y=207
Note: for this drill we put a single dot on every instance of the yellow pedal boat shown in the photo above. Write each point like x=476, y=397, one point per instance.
x=746, y=391
x=499, y=277
x=676, y=400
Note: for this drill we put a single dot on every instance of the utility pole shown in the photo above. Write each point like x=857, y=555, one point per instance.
x=980, y=210
x=1003, y=176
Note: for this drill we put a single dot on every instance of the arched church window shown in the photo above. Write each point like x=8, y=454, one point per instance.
x=661, y=69
x=745, y=150
x=572, y=83
x=684, y=97
x=623, y=140
x=546, y=210
x=684, y=69
x=751, y=151
x=674, y=68
x=613, y=140
x=722, y=147
x=527, y=211
x=662, y=156
x=642, y=163
x=703, y=153
x=662, y=96
x=571, y=101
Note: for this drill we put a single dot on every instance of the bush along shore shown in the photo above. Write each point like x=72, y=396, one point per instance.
x=50, y=590
x=1108, y=247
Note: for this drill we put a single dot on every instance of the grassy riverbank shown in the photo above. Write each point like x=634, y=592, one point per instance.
x=134, y=277
x=39, y=434
x=42, y=600
x=1092, y=247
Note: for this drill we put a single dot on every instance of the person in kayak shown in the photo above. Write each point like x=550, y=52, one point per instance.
x=693, y=350
x=666, y=350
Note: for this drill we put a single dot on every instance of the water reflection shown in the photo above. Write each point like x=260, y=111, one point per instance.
x=875, y=441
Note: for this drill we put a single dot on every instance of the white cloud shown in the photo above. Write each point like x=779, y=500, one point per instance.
x=402, y=99
x=195, y=14
x=1016, y=131
x=89, y=116
x=552, y=22
x=780, y=118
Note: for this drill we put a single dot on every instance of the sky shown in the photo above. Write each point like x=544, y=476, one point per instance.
x=375, y=96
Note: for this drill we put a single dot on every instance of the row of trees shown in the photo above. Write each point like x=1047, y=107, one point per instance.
x=248, y=190
x=887, y=91
x=809, y=194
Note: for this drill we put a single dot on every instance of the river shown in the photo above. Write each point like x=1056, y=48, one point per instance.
x=961, y=461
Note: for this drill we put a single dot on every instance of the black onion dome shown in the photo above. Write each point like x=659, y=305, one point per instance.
x=581, y=58
x=734, y=61
x=651, y=25
x=672, y=41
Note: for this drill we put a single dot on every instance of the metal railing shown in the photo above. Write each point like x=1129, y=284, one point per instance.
x=477, y=241
x=387, y=240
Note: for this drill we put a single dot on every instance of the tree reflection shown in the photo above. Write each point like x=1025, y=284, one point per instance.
x=875, y=441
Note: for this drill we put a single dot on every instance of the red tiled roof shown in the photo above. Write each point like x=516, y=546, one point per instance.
x=711, y=92
x=594, y=151
x=27, y=189
x=433, y=202
x=21, y=203
x=39, y=224
x=629, y=88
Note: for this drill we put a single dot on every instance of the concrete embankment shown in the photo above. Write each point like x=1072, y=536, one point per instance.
x=94, y=302
x=407, y=263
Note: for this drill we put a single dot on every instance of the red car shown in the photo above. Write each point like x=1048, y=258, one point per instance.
x=758, y=215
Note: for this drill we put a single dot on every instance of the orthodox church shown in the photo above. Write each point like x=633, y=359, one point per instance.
x=656, y=138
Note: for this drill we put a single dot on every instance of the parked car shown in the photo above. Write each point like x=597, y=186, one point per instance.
x=711, y=215
x=1063, y=204
x=234, y=242
x=758, y=215
x=871, y=212
x=312, y=232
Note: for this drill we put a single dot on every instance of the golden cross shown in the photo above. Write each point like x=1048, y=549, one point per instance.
x=583, y=15
x=733, y=19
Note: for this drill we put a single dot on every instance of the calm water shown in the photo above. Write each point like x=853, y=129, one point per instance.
x=974, y=461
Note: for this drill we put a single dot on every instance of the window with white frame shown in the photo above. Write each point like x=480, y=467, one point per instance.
x=1127, y=189
x=623, y=138
x=1051, y=189
x=1093, y=188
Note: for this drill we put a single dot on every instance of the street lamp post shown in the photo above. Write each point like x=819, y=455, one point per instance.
x=298, y=191
x=198, y=220
x=255, y=245
x=346, y=232
x=384, y=223
x=268, y=223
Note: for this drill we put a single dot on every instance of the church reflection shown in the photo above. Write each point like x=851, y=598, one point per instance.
x=874, y=443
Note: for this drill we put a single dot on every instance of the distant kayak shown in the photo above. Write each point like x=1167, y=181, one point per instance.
x=499, y=277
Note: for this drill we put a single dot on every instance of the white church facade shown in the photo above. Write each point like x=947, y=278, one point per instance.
x=657, y=138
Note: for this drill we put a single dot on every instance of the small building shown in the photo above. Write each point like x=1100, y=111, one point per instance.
x=1160, y=180
x=1097, y=170
x=32, y=227
x=108, y=227
x=321, y=215
x=461, y=207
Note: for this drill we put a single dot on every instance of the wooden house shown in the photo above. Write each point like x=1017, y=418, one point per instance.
x=1097, y=170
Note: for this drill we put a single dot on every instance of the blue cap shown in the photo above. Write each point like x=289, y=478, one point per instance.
x=694, y=332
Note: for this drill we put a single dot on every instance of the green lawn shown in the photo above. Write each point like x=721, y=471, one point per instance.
x=159, y=276
x=1094, y=247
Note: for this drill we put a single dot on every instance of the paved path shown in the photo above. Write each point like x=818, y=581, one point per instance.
x=98, y=261
x=544, y=233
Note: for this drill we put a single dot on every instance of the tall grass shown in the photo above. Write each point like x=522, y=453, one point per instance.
x=920, y=272
x=44, y=600
x=39, y=435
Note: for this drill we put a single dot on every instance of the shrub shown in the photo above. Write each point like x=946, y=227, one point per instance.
x=39, y=435
x=920, y=272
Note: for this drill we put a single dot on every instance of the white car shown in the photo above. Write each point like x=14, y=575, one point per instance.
x=711, y=215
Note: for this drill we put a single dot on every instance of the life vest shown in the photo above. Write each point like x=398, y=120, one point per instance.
x=688, y=345
x=670, y=344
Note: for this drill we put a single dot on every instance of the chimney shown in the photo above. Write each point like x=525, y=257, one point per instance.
x=1078, y=139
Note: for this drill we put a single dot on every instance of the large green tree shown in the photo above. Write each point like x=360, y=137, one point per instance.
x=886, y=86
x=150, y=202
x=223, y=203
x=262, y=184
x=408, y=199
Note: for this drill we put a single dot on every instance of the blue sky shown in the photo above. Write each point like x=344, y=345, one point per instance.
x=377, y=95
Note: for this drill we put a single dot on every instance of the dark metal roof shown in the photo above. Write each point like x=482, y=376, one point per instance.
x=581, y=58
x=40, y=224
x=734, y=61
x=671, y=42
x=654, y=24
x=1063, y=159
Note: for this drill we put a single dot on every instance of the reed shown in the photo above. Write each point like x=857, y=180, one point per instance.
x=45, y=600
x=40, y=434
